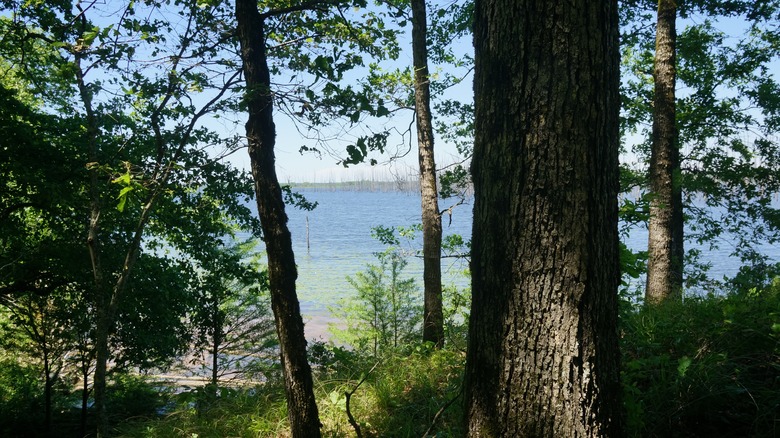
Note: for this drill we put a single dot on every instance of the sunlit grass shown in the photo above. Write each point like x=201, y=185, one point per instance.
x=399, y=398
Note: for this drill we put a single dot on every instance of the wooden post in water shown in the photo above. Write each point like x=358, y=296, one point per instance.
x=308, y=247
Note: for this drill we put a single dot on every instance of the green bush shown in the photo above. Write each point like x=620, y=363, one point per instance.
x=131, y=396
x=707, y=367
x=385, y=315
x=257, y=411
x=400, y=396
x=21, y=399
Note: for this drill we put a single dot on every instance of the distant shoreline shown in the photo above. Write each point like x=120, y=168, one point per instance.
x=361, y=186
x=402, y=186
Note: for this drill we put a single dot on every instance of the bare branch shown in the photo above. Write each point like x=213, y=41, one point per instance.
x=349, y=394
x=443, y=408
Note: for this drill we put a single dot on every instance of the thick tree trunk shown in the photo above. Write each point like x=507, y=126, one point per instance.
x=665, y=230
x=433, y=317
x=543, y=357
x=261, y=136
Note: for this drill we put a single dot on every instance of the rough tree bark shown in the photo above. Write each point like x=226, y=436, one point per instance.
x=433, y=317
x=543, y=358
x=665, y=228
x=282, y=273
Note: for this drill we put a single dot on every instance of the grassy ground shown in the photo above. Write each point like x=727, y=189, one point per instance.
x=707, y=367
x=400, y=397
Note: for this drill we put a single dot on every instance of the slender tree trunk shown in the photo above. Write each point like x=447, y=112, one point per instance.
x=433, y=317
x=93, y=244
x=101, y=372
x=215, y=362
x=261, y=136
x=84, y=401
x=217, y=340
x=665, y=230
x=47, y=389
x=543, y=358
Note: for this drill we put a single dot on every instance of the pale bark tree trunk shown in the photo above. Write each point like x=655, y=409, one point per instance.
x=665, y=228
x=433, y=317
x=543, y=358
x=261, y=136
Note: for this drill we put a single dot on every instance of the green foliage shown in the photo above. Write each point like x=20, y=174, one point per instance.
x=151, y=330
x=231, y=315
x=706, y=367
x=236, y=412
x=632, y=264
x=21, y=397
x=454, y=182
x=456, y=301
x=358, y=152
x=727, y=112
x=399, y=398
x=134, y=396
x=297, y=200
x=116, y=131
x=129, y=186
x=386, y=314
x=456, y=305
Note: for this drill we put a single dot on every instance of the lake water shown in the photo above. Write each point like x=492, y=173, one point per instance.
x=341, y=244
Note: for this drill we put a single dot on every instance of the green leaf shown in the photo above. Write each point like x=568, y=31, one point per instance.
x=683, y=365
x=123, y=197
x=121, y=204
x=123, y=179
x=89, y=36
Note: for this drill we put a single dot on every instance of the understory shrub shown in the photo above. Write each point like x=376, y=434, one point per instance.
x=707, y=367
x=399, y=395
x=403, y=395
x=21, y=399
x=385, y=314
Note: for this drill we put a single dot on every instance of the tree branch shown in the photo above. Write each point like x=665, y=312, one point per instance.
x=443, y=408
x=349, y=394
x=305, y=6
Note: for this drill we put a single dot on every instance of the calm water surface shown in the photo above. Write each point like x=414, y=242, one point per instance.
x=340, y=244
